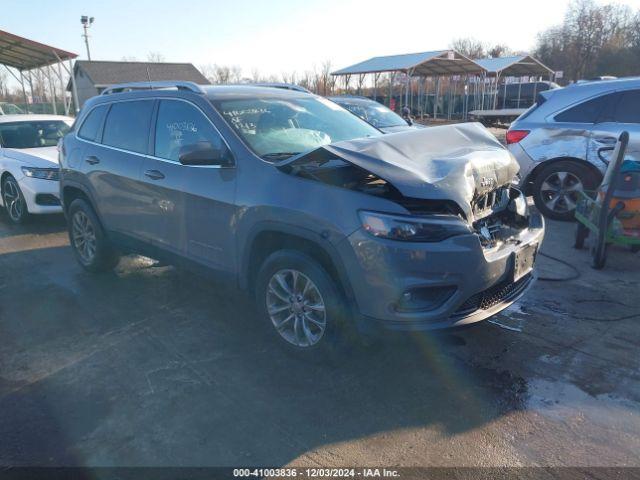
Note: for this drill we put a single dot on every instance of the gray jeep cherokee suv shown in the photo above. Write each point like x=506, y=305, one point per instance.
x=330, y=225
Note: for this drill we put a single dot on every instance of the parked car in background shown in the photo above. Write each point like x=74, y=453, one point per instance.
x=10, y=109
x=375, y=113
x=331, y=226
x=29, y=164
x=563, y=142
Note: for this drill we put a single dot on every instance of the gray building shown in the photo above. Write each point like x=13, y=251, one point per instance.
x=92, y=77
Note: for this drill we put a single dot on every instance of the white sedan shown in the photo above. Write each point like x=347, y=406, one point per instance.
x=29, y=168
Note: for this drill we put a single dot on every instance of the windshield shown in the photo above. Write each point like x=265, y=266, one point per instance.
x=275, y=128
x=377, y=115
x=34, y=134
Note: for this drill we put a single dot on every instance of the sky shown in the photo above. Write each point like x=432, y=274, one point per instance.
x=278, y=35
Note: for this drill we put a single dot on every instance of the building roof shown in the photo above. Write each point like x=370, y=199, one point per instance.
x=438, y=62
x=514, y=66
x=105, y=73
x=25, y=54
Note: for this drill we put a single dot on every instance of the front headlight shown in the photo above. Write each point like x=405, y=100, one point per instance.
x=432, y=228
x=42, y=173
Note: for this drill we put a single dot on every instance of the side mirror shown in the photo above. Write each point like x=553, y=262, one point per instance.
x=203, y=153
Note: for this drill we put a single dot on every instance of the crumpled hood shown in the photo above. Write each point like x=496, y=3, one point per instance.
x=43, y=157
x=451, y=162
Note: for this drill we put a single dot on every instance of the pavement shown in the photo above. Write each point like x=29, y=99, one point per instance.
x=150, y=366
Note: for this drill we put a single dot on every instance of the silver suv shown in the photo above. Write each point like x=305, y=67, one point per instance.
x=331, y=226
x=563, y=142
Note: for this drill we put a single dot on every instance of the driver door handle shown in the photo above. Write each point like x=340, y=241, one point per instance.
x=154, y=174
x=92, y=160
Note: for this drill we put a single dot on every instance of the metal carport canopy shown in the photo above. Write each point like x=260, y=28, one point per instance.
x=514, y=66
x=424, y=64
x=24, y=54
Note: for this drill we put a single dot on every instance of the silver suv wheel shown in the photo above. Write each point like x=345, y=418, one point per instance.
x=296, y=308
x=560, y=191
x=84, y=236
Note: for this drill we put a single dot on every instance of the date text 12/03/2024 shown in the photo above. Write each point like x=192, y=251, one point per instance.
x=316, y=472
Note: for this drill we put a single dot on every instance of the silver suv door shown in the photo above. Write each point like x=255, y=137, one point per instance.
x=622, y=114
x=192, y=205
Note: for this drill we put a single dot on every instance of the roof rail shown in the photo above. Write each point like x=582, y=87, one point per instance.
x=128, y=87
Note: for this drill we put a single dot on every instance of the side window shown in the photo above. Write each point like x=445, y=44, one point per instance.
x=585, y=112
x=180, y=124
x=127, y=125
x=628, y=109
x=91, y=125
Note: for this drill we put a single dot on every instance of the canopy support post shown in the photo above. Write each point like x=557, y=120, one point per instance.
x=74, y=89
x=24, y=92
x=53, y=91
x=436, y=98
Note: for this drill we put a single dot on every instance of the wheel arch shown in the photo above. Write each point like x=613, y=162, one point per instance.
x=271, y=237
x=542, y=165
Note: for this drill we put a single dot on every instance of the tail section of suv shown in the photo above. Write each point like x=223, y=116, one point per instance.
x=330, y=225
x=564, y=141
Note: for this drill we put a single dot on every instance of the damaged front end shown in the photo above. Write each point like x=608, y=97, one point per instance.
x=459, y=177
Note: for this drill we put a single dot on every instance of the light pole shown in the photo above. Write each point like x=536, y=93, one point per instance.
x=86, y=23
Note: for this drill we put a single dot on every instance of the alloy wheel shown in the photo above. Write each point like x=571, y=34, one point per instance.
x=84, y=236
x=560, y=191
x=296, y=308
x=13, y=200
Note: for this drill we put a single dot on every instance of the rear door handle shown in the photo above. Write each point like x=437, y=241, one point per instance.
x=92, y=160
x=154, y=174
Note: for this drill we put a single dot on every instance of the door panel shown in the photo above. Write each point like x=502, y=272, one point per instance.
x=114, y=179
x=163, y=183
x=188, y=210
x=209, y=216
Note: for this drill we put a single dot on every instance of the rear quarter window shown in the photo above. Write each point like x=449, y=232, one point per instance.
x=91, y=125
x=587, y=111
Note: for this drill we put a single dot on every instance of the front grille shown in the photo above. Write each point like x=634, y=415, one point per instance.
x=493, y=296
x=493, y=201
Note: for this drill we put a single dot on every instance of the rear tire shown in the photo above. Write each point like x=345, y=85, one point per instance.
x=88, y=240
x=557, y=187
x=14, y=202
x=302, y=306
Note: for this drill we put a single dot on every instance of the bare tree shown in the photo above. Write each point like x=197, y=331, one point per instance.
x=592, y=40
x=499, y=50
x=469, y=47
x=155, y=57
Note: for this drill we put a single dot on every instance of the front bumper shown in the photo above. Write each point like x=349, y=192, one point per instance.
x=41, y=195
x=480, y=280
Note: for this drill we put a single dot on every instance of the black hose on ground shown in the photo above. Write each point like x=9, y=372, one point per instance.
x=574, y=276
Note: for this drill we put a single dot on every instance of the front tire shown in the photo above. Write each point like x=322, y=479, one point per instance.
x=558, y=186
x=302, y=306
x=14, y=202
x=88, y=240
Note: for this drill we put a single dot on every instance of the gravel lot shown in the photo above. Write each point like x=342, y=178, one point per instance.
x=152, y=366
